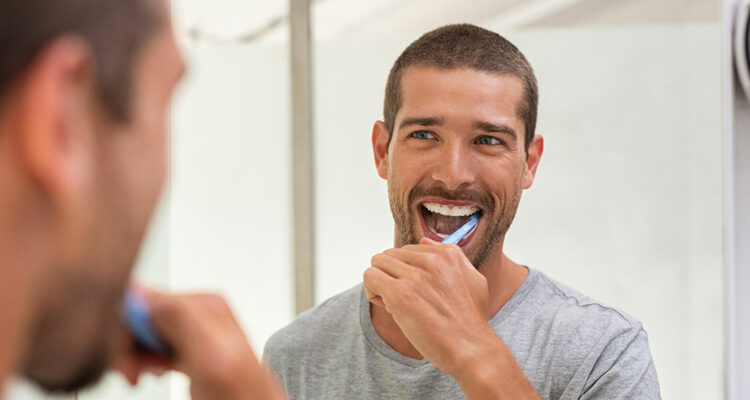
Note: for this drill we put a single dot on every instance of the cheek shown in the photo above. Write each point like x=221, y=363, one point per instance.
x=153, y=138
x=158, y=147
x=503, y=179
x=405, y=170
x=154, y=142
x=157, y=175
x=148, y=166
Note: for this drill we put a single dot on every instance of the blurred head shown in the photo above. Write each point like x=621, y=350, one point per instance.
x=84, y=90
x=458, y=137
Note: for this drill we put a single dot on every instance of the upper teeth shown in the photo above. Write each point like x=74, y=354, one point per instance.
x=451, y=211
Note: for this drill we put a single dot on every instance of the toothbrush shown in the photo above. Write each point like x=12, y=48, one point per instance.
x=138, y=322
x=459, y=234
x=138, y=315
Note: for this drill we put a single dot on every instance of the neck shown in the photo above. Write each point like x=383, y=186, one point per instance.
x=504, y=278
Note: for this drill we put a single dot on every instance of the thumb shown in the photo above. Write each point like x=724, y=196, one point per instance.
x=169, y=317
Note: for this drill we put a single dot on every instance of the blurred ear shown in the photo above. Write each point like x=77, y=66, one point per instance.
x=536, y=148
x=380, y=148
x=56, y=117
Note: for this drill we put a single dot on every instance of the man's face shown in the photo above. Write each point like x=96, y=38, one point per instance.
x=103, y=228
x=457, y=149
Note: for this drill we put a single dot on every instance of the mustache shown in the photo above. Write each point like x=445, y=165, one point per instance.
x=482, y=198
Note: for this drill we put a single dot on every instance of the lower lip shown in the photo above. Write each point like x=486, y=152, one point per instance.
x=433, y=236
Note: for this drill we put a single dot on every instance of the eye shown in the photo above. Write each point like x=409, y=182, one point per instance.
x=489, y=141
x=423, y=135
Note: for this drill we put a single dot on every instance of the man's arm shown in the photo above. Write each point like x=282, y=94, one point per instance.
x=208, y=346
x=440, y=302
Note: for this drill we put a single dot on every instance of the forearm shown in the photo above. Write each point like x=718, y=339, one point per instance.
x=489, y=371
x=267, y=386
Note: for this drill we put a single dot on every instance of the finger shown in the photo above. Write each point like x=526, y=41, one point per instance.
x=376, y=300
x=391, y=265
x=177, y=320
x=426, y=247
x=418, y=256
x=377, y=285
x=450, y=250
x=427, y=241
x=124, y=359
x=153, y=365
x=126, y=365
x=132, y=367
x=427, y=244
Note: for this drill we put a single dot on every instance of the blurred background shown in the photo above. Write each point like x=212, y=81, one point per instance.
x=627, y=206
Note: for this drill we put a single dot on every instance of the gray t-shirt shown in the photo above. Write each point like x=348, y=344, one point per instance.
x=569, y=347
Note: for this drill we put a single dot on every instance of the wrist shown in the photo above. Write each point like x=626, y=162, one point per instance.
x=476, y=364
x=236, y=377
x=259, y=383
x=270, y=387
x=488, y=370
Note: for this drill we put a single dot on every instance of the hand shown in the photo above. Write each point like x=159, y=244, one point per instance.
x=437, y=298
x=208, y=346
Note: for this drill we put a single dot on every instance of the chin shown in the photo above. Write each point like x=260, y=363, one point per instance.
x=72, y=341
x=89, y=374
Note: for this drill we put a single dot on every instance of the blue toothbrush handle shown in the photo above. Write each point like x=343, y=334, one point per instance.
x=138, y=322
x=464, y=230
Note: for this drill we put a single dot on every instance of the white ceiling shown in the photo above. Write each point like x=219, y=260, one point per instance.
x=265, y=20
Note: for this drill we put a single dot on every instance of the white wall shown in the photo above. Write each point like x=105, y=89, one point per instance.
x=21, y=389
x=627, y=205
x=230, y=226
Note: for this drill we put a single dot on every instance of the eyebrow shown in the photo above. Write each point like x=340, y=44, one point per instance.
x=424, y=121
x=490, y=127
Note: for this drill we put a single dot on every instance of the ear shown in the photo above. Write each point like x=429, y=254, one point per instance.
x=536, y=148
x=56, y=135
x=380, y=137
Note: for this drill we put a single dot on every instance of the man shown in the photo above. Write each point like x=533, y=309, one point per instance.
x=455, y=321
x=84, y=89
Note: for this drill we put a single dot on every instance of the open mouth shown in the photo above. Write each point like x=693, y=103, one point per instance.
x=441, y=220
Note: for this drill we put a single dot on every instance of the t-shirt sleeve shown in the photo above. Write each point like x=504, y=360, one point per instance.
x=624, y=369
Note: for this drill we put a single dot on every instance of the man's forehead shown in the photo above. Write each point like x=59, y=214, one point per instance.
x=457, y=91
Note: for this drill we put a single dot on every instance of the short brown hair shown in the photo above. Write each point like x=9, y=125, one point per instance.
x=115, y=29
x=465, y=46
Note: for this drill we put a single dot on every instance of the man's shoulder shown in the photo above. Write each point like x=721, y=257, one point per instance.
x=606, y=348
x=570, y=306
x=318, y=326
x=592, y=347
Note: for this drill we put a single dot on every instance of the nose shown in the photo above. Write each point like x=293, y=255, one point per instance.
x=453, y=166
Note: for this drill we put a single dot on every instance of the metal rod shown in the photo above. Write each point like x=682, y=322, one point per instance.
x=736, y=119
x=302, y=161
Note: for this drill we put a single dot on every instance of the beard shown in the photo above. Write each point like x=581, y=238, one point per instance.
x=89, y=372
x=72, y=341
x=498, y=215
x=76, y=331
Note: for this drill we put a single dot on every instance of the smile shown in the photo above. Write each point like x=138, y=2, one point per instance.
x=440, y=220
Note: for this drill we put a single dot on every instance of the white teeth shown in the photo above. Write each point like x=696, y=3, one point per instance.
x=451, y=211
x=441, y=235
